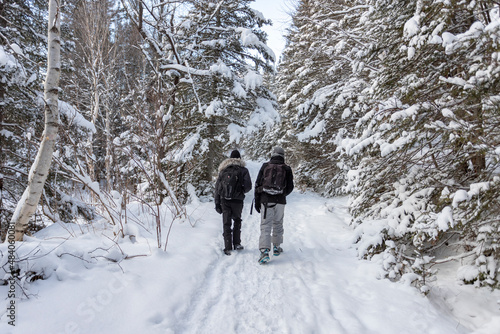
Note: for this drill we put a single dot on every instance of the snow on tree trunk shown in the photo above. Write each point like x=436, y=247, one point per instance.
x=2, y=97
x=40, y=168
x=108, y=158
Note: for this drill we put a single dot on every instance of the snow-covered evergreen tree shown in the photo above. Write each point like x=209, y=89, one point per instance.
x=428, y=146
x=223, y=98
x=320, y=80
x=401, y=96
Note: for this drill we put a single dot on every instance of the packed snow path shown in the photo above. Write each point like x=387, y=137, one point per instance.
x=318, y=285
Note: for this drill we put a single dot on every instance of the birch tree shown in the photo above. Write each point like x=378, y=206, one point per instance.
x=40, y=168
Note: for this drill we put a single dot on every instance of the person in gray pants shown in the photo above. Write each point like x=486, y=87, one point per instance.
x=274, y=182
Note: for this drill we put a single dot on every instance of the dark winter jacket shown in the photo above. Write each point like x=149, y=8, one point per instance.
x=262, y=197
x=246, y=184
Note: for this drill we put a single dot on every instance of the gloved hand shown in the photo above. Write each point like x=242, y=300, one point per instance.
x=257, y=197
x=218, y=208
x=257, y=206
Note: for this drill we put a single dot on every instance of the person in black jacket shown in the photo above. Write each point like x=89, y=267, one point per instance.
x=231, y=208
x=272, y=207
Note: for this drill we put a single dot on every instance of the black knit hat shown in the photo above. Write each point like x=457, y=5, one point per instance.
x=235, y=154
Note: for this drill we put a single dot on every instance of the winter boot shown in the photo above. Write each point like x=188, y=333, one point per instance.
x=227, y=251
x=277, y=250
x=264, y=256
x=238, y=247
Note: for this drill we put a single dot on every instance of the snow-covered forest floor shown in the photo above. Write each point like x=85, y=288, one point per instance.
x=317, y=285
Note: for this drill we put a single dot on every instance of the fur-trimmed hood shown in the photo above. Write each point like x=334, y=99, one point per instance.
x=243, y=179
x=230, y=162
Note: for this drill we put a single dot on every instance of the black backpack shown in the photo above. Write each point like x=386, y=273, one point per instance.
x=230, y=184
x=274, y=179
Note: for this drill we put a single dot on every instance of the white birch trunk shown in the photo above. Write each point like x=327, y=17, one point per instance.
x=40, y=168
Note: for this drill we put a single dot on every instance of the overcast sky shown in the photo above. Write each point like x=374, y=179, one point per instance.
x=276, y=10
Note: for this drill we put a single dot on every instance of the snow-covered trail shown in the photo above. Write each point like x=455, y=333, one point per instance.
x=317, y=285
x=291, y=294
x=242, y=296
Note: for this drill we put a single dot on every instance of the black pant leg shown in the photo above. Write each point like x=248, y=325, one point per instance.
x=226, y=225
x=237, y=208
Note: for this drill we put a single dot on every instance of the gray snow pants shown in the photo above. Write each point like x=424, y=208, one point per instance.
x=272, y=223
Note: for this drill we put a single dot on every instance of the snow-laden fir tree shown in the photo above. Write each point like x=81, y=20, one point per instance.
x=429, y=145
x=320, y=81
x=223, y=98
x=292, y=77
